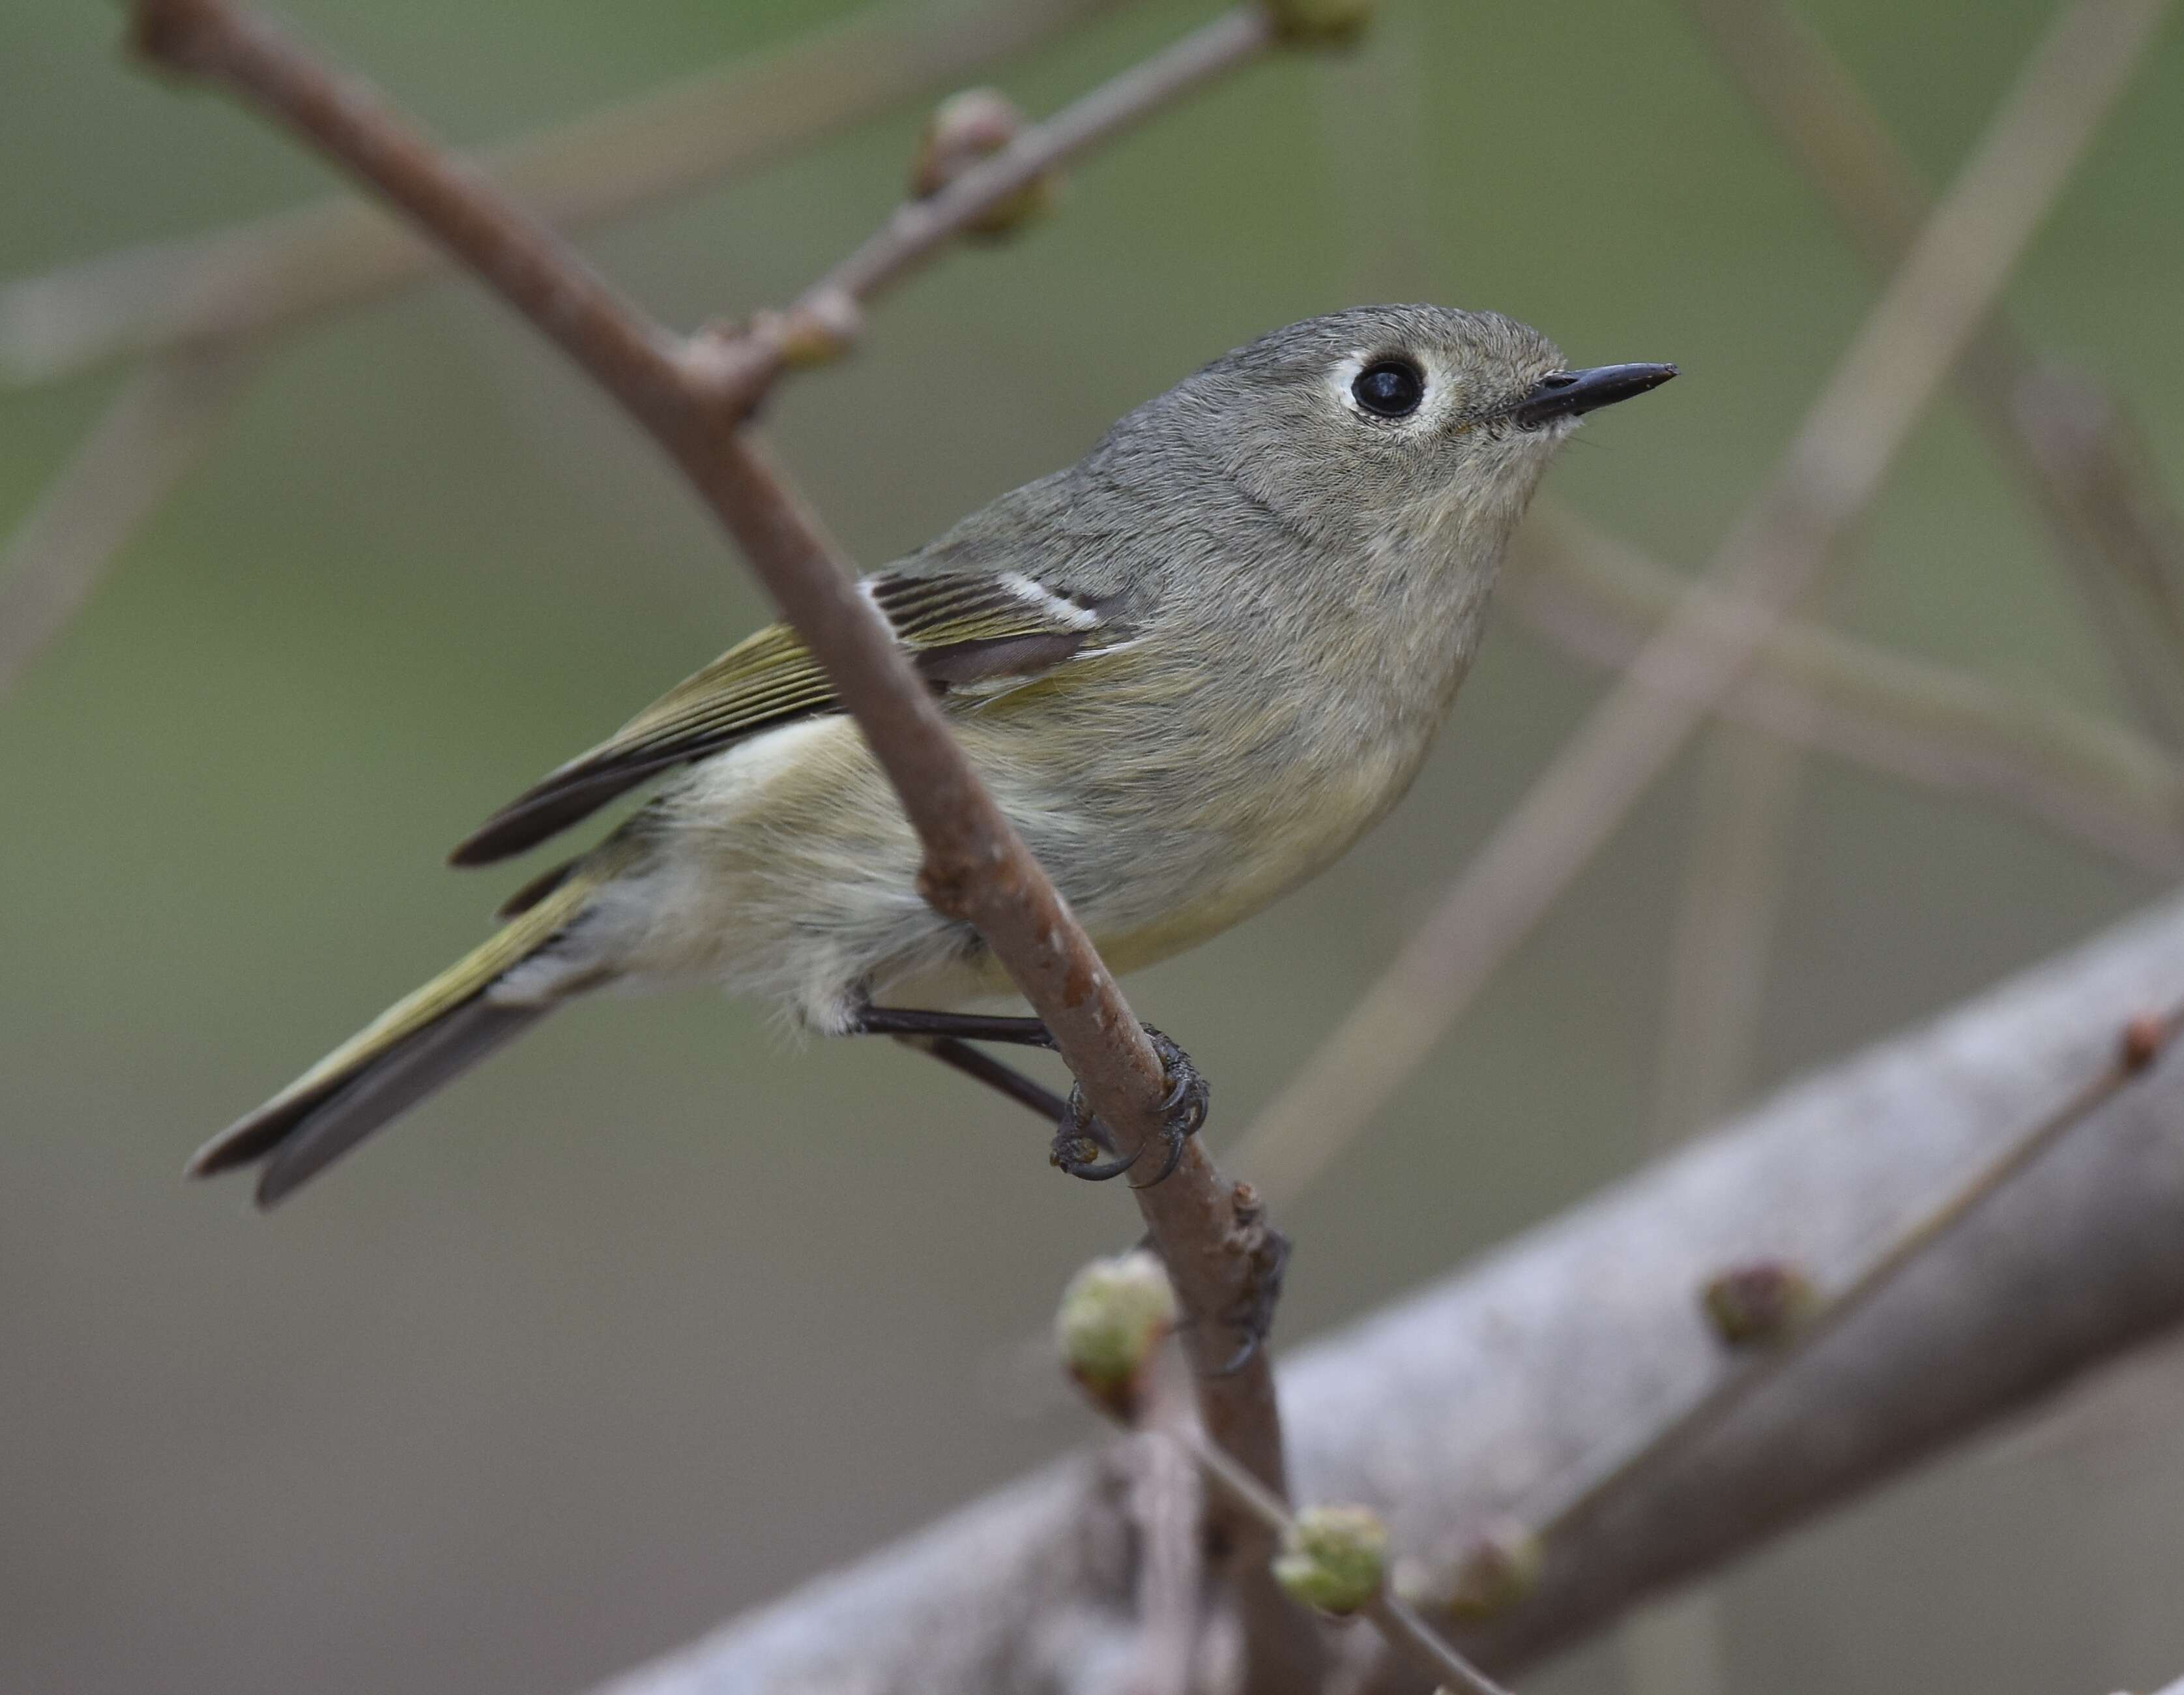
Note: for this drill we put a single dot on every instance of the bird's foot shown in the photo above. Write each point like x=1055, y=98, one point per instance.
x=1080, y=1138
x=1253, y=1317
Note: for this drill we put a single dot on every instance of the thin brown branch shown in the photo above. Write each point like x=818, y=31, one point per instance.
x=743, y=361
x=1167, y=1506
x=2075, y=451
x=2085, y=775
x=1210, y=1234
x=235, y=286
x=150, y=436
x=1398, y=1623
x=270, y=274
x=1824, y=483
x=2138, y=1044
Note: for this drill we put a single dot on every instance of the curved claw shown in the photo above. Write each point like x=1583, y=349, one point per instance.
x=1183, y=1113
x=1254, y=1316
x=1065, y=1158
x=1079, y=1138
x=1237, y=1361
x=1176, y=1141
x=1183, y=1107
x=1188, y=1098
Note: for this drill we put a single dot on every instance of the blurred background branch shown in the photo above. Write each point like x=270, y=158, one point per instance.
x=1824, y=482
x=271, y=274
x=2085, y=775
x=193, y=305
x=150, y=437
x=1727, y=915
x=2075, y=452
x=1167, y=1508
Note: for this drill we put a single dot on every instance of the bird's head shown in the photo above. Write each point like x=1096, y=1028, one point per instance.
x=1391, y=425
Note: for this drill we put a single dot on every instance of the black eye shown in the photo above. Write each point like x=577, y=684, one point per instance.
x=1389, y=389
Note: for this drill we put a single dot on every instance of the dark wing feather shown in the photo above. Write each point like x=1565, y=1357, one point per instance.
x=962, y=629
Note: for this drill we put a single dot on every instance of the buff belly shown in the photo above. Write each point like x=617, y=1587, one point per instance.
x=785, y=869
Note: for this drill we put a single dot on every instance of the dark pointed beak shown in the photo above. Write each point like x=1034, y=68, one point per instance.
x=1572, y=393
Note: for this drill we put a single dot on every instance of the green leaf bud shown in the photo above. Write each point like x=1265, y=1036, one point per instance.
x=1334, y=1558
x=964, y=129
x=1114, y=1315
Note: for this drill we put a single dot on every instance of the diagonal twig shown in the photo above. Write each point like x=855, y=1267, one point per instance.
x=261, y=277
x=197, y=304
x=742, y=362
x=2082, y=458
x=1561, y=1508
x=691, y=396
x=1824, y=483
x=2085, y=775
x=150, y=436
x=2138, y=1046
x=224, y=291
x=1406, y=1632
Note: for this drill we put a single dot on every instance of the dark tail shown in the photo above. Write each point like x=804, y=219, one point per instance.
x=299, y=1136
x=411, y=1049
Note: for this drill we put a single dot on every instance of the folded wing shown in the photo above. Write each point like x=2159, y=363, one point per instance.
x=965, y=634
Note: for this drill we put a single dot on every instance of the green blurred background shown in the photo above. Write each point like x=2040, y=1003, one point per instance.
x=654, y=1316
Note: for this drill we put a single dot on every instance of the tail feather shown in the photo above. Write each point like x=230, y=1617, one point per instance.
x=387, y=1087
x=409, y=1050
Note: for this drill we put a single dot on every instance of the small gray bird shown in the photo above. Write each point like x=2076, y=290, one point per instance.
x=1193, y=668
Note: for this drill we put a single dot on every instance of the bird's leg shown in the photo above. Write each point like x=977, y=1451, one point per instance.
x=1080, y=1137
x=954, y=1051
x=947, y=1036
x=969, y=1027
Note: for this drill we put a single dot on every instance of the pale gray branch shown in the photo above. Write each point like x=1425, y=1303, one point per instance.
x=1583, y=1336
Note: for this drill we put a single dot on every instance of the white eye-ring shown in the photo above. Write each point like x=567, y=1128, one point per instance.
x=1384, y=388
